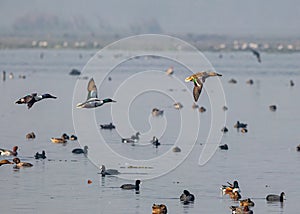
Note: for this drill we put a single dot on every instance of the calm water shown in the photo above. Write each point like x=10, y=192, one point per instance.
x=264, y=160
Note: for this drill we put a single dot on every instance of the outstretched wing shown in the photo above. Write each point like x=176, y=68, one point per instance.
x=198, y=85
x=92, y=89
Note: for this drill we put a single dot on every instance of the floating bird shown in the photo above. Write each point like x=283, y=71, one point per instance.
x=157, y=112
x=6, y=152
x=80, y=151
x=244, y=130
x=105, y=171
x=30, y=135
x=135, y=186
x=241, y=210
x=33, y=98
x=40, y=156
x=202, y=109
x=273, y=197
x=155, y=141
x=63, y=139
x=176, y=149
x=107, y=126
x=292, y=83
x=195, y=106
x=20, y=164
x=92, y=100
x=159, y=209
x=239, y=125
x=298, y=148
x=224, y=129
x=232, y=81
x=246, y=202
x=225, y=108
x=65, y=136
x=223, y=147
x=272, y=107
x=2, y=162
x=178, y=105
x=199, y=79
x=250, y=82
x=227, y=189
x=186, y=197
x=170, y=70
x=133, y=139
x=73, y=137
x=257, y=54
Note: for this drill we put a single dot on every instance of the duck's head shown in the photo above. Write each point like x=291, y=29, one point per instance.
x=16, y=160
x=15, y=148
x=282, y=195
x=48, y=96
x=235, y=184
x=137, y=182
x=65, y=136
x=108, y=100
x=186, y=192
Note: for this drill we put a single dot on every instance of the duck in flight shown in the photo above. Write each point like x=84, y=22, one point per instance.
x=33, y=98
x=199, y=79
x=92, y=100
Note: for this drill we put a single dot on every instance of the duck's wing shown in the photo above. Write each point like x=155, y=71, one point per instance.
x=92, y=89
x=198, y=85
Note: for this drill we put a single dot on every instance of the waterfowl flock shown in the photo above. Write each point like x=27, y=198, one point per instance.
x=92, y=101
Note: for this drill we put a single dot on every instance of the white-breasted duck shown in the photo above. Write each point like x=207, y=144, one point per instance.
x=92, y=100
x=33, y=98
x=6, y=152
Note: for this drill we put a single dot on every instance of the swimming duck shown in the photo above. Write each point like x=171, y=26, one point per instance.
x=273, y=197
x=226, y=189
x=272, y=107
x=176, y=149
x=235, y=195
x=178, y=105
x=224, y=129
x=73, y=137
x=30, y=135
x=155, y=141
x=246, y=202
x=194, y=106
x=241, y=210
x=107, y=126
x=80, y=151
x=33, y=98
x=239, y=125
x=244, y=130
x=5, y=152
x=159, y=209
x=250, y=82
x=199, y=79
x=92, y=100
x=133, y=139
x=157, y=112
x=105, y=171
x=135, y=186
x=2, y=162
x=40, y=156
x=65, y=136
x=187, y=197
x=232, y=81
x=21, y=164
x=170, y=70
x=292, y=83
x=223, y=147
x=202, y=109
x=298, y=148
x=58, y=140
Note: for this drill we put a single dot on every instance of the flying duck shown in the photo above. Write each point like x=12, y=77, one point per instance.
x=33, y=98
x=135, y=186
x=6, y=152
x=105, y=171
x=92, y=100
x=199, y=79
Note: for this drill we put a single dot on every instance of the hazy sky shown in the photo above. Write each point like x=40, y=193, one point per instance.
x=229, y=17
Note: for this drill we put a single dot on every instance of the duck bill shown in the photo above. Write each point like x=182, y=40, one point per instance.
x=114, y=101
x=188, y=79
